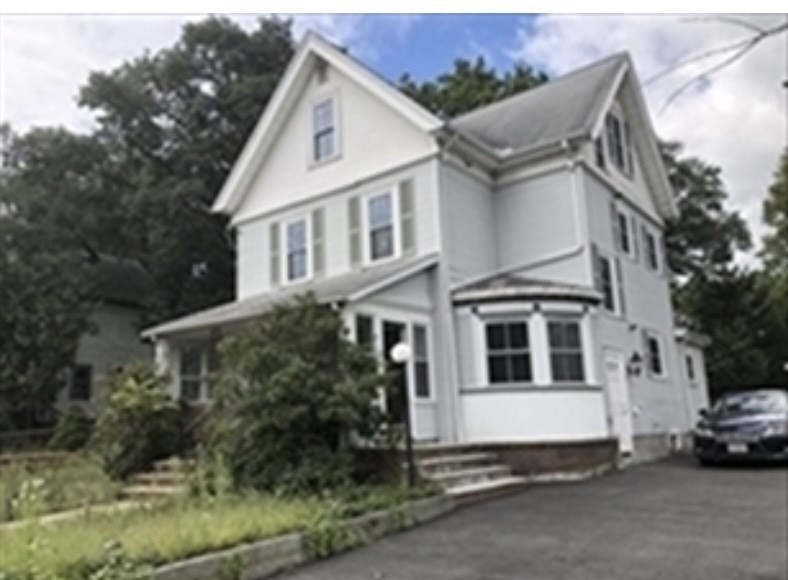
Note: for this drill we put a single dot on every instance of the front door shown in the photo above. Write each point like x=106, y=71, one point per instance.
x=618, y=400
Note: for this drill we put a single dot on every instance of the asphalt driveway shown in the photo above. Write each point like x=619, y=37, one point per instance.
x=668, y=520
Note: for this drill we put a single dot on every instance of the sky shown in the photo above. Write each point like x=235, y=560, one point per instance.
x=735, y=119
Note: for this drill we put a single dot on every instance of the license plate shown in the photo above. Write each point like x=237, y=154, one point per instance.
x=737, y=448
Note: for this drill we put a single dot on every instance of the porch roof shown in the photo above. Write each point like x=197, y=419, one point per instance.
x=507, y=287
x=345, y=287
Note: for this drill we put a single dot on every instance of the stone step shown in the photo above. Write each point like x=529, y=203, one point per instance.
x=160, y=478
x=443, y=463
x=461, y=477
x=149, y=492
x=174, y=464
x=486, y=490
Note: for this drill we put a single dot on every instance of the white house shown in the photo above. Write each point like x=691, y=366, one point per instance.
x=518, y=248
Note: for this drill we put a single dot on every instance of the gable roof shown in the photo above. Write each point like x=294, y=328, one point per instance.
x=313, y=49
x=348, y=287
x=120, y=281
x=565, y=108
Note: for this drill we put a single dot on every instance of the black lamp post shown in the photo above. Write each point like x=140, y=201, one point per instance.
x=401, y=354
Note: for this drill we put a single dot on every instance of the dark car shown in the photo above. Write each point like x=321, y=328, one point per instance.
x=742, y=426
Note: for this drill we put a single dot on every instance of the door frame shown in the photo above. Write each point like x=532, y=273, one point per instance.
x=419, y=406
x=626, y=441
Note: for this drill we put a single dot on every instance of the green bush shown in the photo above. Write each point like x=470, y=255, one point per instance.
x=72, y=431
x=139, y=423
x=292, y=391
x=72, y=483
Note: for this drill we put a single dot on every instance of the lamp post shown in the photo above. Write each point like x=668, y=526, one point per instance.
x=401, y=353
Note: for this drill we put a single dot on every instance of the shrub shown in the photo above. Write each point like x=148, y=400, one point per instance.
x=72, y=431
x=292, y=391
x=139, y=423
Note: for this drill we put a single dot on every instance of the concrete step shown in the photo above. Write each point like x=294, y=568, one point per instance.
x=443, y=463
x=174, y=464
x=486, y=490
x=469, y=476
x=149, y=492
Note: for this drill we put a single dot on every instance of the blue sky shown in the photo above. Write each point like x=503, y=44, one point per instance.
x=431, y=43
x=45, y=59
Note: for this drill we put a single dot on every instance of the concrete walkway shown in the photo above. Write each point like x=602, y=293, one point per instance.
x=669, y=520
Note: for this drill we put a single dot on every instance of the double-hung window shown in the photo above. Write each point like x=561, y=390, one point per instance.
x=297, y=250
x=652, y=251
x=324, y=133
x=606, y=282
x=508, y=352
x=191, y=373
x=566, y=351
x=380, y=223
x=654, y=354
x=81, y=383
x=618, y=142
x=622, y=231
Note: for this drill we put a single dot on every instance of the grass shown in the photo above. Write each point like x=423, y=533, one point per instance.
x=179, y=530
x=74, y=482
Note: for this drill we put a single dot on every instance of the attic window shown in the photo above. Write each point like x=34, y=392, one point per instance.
x=324, y=141
x=618, y=143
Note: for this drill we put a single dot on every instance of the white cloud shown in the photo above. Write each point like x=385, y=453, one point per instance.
x=737, y=119
x=44, y=60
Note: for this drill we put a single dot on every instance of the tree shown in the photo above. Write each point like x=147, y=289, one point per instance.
x=44, y=304
x=291, y=393
x=703, y=240
x=173, y=124
x=469, y=86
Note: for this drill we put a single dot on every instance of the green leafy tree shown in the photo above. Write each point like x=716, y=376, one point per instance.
x=292, y=393
x=775, y=243
x=468, y=86
x=173, y=124
x=44, y=305
x=703, y=240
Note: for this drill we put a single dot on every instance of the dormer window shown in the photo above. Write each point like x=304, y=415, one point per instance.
x=618, y=143
x=324, y=131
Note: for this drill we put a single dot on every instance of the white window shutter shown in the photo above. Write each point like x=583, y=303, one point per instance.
x=407, y=217
x=354, y=230
x=274, y=254
x=318, y=243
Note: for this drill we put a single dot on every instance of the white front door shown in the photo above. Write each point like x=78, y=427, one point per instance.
x=618, y=400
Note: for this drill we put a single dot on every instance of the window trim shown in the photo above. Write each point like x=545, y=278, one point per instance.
x=318, y=100
x=625, y=141
x=622, y=215
x=366, y=249
x=529, y=350
x=582, y=349
x=285, y=252
x=426, y=359
x=614, y=290
x=654, y=266
x=202, y=395
x=649, y=335
x=689, y=366
x=74, y=371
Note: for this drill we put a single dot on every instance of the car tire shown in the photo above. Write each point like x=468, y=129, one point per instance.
x=706, y=462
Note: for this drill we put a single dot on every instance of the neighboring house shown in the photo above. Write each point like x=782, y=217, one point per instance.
x=112, y=339
x=518, y=248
